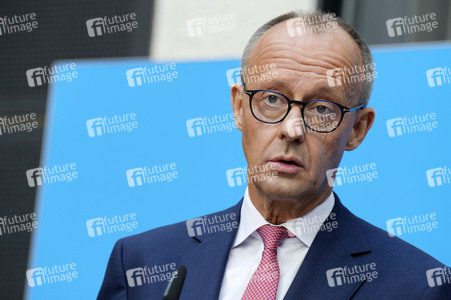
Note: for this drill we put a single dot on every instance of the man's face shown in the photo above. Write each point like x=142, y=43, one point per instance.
x=301, y=158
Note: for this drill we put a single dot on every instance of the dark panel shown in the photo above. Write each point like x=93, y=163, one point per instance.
x=370, y=17
x=61, y=34
x=332, y=6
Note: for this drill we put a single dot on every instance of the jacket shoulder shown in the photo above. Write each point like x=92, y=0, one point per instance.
x=167, y=241
x=396, y=249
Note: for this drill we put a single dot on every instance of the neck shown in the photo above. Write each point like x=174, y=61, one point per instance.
x=277, y=211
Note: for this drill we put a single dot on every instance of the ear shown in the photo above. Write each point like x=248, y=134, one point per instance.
x=363, y=122
x=237, y=93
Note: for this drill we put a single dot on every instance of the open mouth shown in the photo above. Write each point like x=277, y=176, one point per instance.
x=286, y=164
x=289, y=162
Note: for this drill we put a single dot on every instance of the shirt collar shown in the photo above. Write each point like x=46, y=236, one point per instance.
x=304, y=228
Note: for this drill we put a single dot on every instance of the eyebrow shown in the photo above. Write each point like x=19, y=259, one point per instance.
x=322, y=89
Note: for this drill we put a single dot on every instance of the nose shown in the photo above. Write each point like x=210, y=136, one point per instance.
x=292, y=128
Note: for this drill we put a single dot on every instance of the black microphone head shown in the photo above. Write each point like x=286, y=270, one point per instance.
x=181, y=272
x=175, y=285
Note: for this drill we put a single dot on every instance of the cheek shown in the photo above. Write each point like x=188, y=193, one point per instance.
x=249, y=138
x=318, y=149
x=329, y=157
x=331, y=152
x=256, y=139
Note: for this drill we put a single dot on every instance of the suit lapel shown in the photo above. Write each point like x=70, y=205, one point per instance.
x=344, y=246
x=206, y=262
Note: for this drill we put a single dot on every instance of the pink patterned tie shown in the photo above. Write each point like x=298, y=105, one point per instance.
x=265, y=280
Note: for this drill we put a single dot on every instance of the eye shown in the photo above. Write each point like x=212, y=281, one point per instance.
x=321, y=108
x=272, y=99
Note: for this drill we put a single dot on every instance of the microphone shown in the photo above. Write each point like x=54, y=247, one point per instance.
x=175, y=285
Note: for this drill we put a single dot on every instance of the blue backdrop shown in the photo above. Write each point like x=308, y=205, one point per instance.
x=125, y=152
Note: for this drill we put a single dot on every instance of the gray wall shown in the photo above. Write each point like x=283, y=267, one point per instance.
x=370, y=16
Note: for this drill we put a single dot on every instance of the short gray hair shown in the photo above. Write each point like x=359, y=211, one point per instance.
x=315, y=19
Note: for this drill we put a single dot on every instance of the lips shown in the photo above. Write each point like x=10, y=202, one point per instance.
x=287, y=160
x=286, y=164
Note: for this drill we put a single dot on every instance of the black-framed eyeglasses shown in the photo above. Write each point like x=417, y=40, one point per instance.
x=318, y=115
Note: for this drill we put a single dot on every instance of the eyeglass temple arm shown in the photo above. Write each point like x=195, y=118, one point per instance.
x=352, y=109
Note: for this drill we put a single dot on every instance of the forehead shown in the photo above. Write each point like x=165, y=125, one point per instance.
x=302, y=61
x=329, y=49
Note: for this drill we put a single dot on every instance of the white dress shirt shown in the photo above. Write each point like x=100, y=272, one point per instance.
x=246, y=252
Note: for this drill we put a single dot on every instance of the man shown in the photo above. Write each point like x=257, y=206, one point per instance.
x=298, y=112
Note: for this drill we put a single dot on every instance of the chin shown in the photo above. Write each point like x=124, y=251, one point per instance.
x=283, y=189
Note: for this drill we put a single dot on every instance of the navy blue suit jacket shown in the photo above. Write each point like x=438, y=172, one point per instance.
x=400, y=267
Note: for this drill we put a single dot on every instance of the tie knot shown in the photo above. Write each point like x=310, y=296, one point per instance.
x=272, y=235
